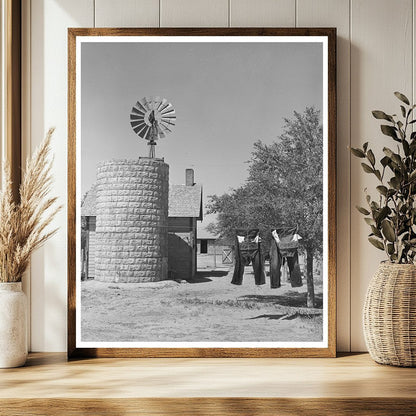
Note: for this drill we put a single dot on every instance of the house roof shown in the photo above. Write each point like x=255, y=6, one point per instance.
x=89, y=203
x=185, y=201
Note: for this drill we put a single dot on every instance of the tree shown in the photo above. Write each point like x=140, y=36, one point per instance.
x=284, y=187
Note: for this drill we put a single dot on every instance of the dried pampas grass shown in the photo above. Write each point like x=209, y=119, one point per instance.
x=23, y=225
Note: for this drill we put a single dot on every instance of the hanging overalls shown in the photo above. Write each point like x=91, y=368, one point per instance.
x=284, y=245
x=248, y=250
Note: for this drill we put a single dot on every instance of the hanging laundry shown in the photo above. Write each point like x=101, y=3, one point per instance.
x=285, y=245
x=248, y=250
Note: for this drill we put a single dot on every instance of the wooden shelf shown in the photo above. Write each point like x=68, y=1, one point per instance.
x=349, y=384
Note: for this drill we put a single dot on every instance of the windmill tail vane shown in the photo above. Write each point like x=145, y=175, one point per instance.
x=151, y=119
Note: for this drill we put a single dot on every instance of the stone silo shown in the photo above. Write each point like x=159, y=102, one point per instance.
x=132, y=220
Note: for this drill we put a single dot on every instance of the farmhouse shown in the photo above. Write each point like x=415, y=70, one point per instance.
x=185, y=209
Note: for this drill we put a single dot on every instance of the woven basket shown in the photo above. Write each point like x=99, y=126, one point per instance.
x=390, y=315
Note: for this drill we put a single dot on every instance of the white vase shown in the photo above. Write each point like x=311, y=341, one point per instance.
x=13, y=325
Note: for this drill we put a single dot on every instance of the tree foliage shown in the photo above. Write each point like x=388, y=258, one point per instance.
x=284, y=185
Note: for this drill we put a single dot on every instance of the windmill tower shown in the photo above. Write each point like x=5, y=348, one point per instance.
x=151, y=119
x=132, y=204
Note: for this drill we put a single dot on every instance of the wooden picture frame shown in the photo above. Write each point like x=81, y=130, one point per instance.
x=327, y=37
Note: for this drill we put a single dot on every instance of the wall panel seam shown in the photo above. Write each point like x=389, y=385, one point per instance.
x=296, y=13
x=349, y=173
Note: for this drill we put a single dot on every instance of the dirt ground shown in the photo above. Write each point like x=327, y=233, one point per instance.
x=208, y=309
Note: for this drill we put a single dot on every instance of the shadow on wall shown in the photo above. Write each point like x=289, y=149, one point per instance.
x=179, y=258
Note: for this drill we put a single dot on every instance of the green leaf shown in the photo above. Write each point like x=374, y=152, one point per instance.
x=378, y=174
x=388, y=230
x=357, y=152
x=382, y=214
x=394, y=183
x=390, y=248
x=406, y=147
x=393, y=156
x=367, y=168
x=376, y=231
x=382, y=189
x=381, y=115
x=370, y=157
x=369, y=221
x=389, y=131
x=376, y=243
x=385, y=161
x=374, y=205
x=365, y=145
x=402, y=97
x=389, y=153
x=362, y=210
x=412, y=176
x=403, y=111
x=413, y=121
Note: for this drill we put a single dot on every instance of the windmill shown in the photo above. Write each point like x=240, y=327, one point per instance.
x=152, y=118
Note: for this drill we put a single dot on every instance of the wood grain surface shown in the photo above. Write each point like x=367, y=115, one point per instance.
x=350, y=384
x=330, y=351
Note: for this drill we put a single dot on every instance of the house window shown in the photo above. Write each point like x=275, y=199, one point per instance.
x=204, y=246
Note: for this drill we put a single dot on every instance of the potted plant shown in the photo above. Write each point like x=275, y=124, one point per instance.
x=390, y=305
x=23, y=229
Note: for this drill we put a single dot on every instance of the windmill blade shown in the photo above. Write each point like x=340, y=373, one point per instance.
x=138, y=130
x=168, y=107
x=170, y=122
x=137, y=123
x=143, y=131
x=136, y=117
x=161, y=104
x=164, y=106
x=165, y=127
x=140, y=107
x=169, y=114
x=169, y=119
x=137, y=111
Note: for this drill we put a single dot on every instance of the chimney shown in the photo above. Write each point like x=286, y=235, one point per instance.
x=189, y=177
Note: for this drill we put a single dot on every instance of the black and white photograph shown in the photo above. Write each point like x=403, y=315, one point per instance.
x=202, y=192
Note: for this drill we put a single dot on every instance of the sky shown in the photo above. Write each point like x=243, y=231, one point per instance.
x=226, y=97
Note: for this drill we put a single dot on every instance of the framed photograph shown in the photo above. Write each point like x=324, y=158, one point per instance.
x=201, y=193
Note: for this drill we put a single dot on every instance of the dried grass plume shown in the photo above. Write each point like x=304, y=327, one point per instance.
x=24, y=225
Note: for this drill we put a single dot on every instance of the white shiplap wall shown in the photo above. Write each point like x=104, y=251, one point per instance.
x=375, y=57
